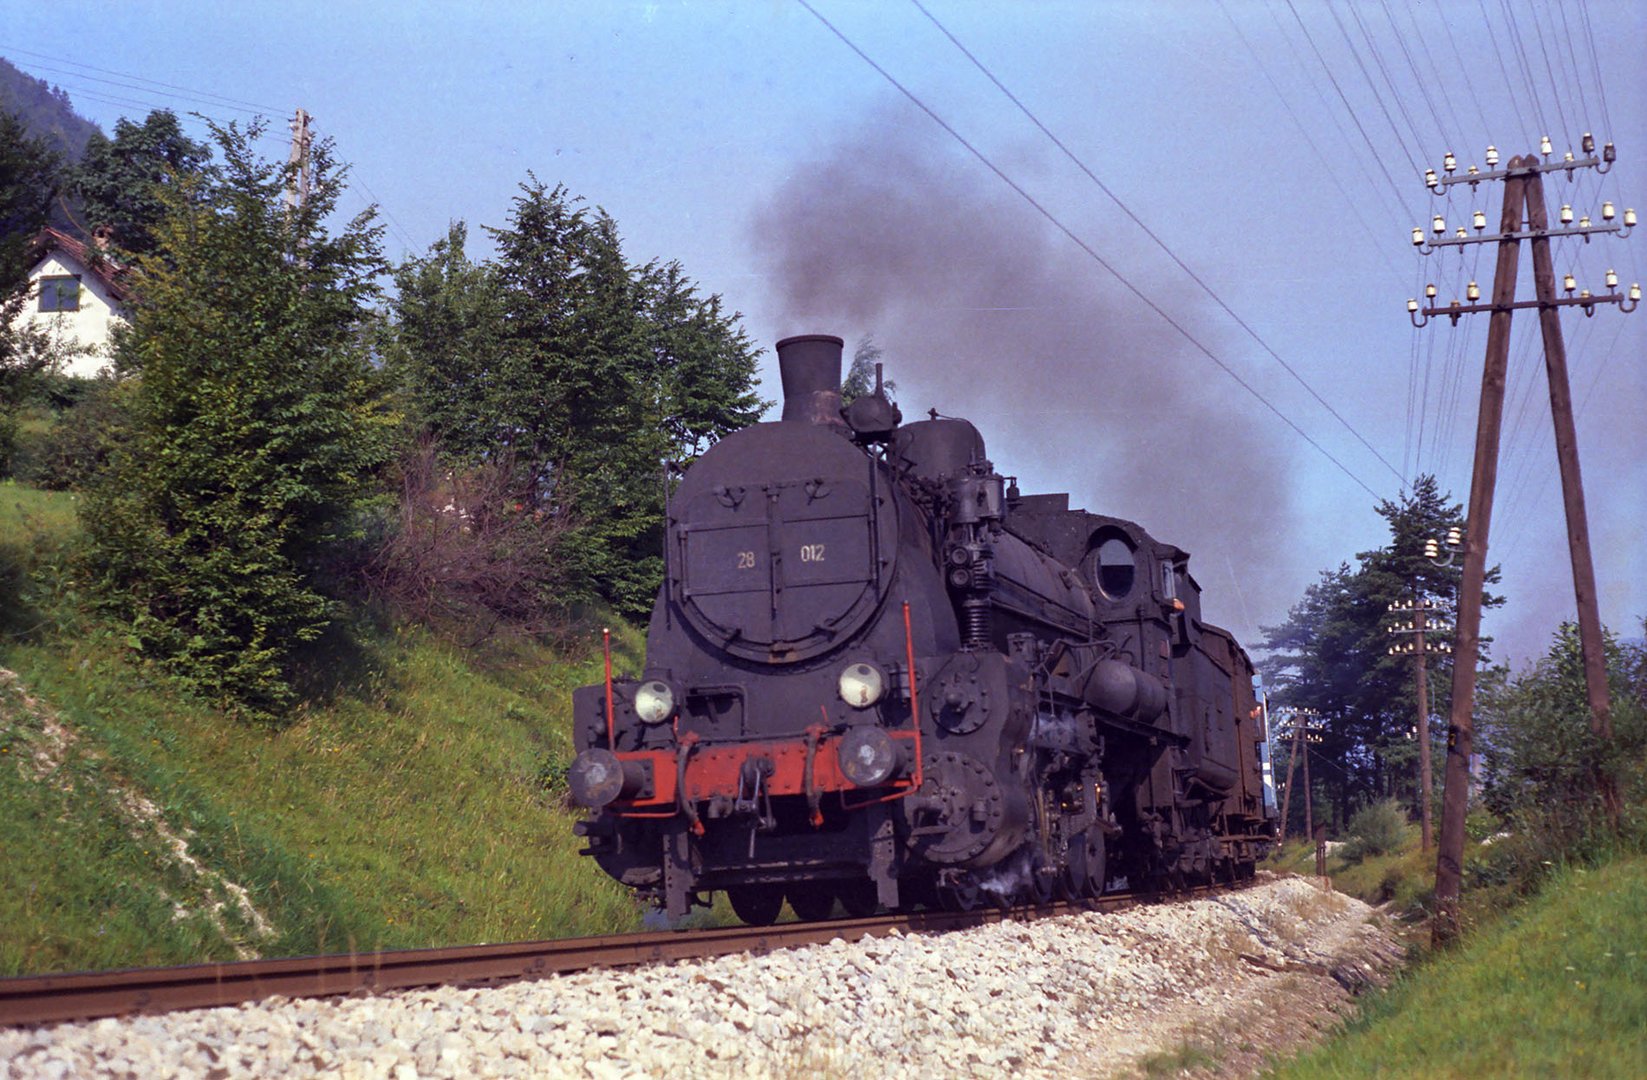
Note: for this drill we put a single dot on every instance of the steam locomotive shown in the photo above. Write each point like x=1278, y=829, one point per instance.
x=878, y=673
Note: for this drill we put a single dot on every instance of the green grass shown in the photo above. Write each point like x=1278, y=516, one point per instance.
x=409, y=809
x=1404, y=879
x=1557, y=987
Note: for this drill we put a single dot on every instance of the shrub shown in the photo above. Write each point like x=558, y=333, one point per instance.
x=1375, y=829
x=465, y=554
x=68, y=452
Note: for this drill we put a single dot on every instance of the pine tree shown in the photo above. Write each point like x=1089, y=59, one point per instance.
x=253, y=430
x=1331, y=652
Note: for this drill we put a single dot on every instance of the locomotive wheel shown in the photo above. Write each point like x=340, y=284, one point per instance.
x=860, y=898
x=1042, y=888
x=962, y=895
x=757, y=905
x=812, y=901
x=1072, y=876
x=1095, y=868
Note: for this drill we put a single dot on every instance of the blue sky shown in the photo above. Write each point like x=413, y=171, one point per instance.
x=748, y=141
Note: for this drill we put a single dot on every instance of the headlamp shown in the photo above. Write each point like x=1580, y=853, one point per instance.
x=654, y=701
x=868, y=756
x=862, y=685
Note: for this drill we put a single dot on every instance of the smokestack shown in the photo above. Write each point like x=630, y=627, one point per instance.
x=810, y=366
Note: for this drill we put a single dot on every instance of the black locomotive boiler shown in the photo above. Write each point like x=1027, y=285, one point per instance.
x=877, y=672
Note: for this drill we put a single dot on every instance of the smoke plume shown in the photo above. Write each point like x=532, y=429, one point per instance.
x=983, y=310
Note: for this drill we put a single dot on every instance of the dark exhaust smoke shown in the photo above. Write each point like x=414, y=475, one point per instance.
x=984, y=311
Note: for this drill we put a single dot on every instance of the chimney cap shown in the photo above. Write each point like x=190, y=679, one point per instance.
x=830, y=339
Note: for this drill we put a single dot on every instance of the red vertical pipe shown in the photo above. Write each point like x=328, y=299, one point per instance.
x=914, y=694
x=611, y=715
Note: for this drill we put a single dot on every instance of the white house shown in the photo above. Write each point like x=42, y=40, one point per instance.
x=75, y=297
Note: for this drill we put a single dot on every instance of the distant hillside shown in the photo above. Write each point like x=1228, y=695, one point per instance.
x=47, y=114
x=45, y=110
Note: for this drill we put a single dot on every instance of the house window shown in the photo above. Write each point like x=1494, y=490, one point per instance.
x=59, y=294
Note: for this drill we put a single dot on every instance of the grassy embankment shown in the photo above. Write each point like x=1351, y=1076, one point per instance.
x=408, y=809
x=1555, y=987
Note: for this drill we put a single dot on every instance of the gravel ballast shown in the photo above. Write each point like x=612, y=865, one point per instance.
x=1235, y=978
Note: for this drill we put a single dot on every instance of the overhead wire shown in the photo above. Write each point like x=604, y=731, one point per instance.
x=1524, y=64
x=1384, y=69
x=192, y=115
x=1577, y=71
x=1504, y=70
x=1400, y=214
x=1556, y=92
x=1355, y=54
x=138, y=78
x=1327, y=168
x=1083, y=245
x=1464, y=68
x=1595, y=63
x=1419, y=77
x=1378, y=158
x=1160, y=243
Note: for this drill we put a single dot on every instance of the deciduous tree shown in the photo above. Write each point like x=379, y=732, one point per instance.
x=121, y=181
x=28, y=182
x=252, y=433
x=585, y=370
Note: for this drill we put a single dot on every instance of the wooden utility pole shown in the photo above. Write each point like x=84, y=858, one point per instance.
x=1309, y=816
x=1286, y=796
x=1572, y=491
x=1421, y=664
x=297, y=186
x=1523, y=189
x=1420, y=649
x=1483, y=479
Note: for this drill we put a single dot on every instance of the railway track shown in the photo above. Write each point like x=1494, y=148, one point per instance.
x=47, y=999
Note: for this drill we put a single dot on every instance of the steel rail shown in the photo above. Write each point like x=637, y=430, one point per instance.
x=32, y=1000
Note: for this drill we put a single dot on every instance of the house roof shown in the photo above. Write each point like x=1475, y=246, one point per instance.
x=97, y=263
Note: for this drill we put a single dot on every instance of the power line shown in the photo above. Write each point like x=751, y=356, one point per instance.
x=1328, y=170
x=186, y=94
x=1082, y=244
x=202, y=94
x=1162, y=244
x=1376, y=156
x=1423, y=83
x=1384, y=70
